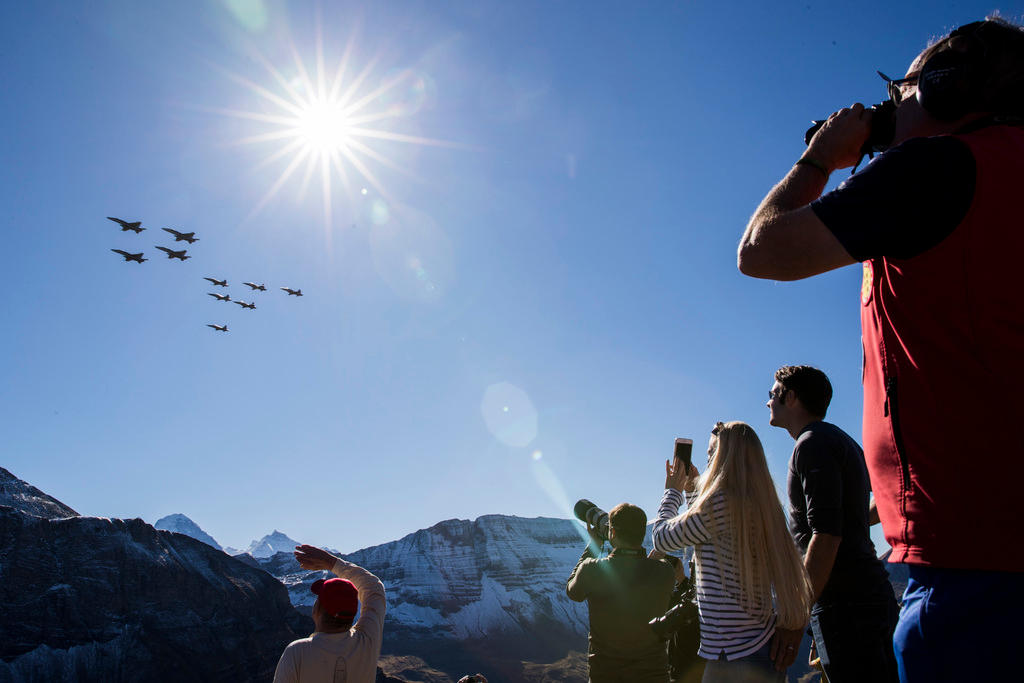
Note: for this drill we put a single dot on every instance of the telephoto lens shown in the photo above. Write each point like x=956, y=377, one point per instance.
x=586, y=511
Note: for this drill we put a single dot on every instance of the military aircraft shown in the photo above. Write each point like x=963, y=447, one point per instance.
x=219, y=283
x=292, y=292
x=189, y=237
x=136, y=226
x=180, y=255
x=219, y=328
x=245, y=304
x=220, y=297
x=254, y=287
x=130, y=257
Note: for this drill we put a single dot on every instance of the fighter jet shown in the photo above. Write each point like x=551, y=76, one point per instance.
x=180, y=255
x=292, y=292
x=136, y=226
x=220, y=297
x=130, y=257
x=254, y=287
x=219, y=328
x=245, y=304
x=189, y=237
x=219, y=283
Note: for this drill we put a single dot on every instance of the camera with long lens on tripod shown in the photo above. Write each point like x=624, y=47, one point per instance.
x=597, y=518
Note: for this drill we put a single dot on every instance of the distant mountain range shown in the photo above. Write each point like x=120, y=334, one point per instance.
x=463, y=596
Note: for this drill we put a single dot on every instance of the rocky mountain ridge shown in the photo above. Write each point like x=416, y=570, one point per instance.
x=96, y=599
x=23, y=496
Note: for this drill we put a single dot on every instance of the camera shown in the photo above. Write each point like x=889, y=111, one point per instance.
x=682, y=615
x=883, y=129
x=597, y=518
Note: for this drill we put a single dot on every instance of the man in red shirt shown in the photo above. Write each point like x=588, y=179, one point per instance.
x=937, y=222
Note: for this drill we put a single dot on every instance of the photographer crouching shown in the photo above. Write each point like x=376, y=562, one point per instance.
x=624, y=592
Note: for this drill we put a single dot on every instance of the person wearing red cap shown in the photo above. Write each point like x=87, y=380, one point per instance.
x=338, y=650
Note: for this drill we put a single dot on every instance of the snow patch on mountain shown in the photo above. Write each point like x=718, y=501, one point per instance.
x=181, y=524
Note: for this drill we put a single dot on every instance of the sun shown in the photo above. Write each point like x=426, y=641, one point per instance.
x=330, y=123
x=323, y=127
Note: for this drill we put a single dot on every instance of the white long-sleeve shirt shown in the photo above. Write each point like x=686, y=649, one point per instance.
x=725, y=627
x=347, y=657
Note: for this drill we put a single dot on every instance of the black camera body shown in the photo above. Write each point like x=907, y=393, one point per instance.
x=597, y=518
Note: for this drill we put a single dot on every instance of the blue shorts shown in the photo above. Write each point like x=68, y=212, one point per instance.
x=959, y=625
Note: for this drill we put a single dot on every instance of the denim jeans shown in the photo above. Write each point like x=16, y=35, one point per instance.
x=959, y=625
x=854, y=640
x=754, y=668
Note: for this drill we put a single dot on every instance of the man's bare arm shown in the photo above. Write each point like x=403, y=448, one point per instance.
x=784, y=239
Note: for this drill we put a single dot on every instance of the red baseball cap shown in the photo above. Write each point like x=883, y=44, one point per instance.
x=338, y=597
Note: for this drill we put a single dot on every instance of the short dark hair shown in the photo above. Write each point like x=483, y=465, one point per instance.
x=810, y=385
x=629, y=522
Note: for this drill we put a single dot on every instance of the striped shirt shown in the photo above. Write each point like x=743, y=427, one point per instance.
x=725, y=627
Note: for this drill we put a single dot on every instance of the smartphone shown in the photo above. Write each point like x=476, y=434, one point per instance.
x=684, y=449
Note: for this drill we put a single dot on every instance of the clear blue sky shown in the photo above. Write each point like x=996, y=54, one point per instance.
x=570, y=259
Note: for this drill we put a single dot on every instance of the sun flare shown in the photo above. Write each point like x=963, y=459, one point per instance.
x=335, y=123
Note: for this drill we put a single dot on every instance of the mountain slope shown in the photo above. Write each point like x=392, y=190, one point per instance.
x=23, y=496
x=472, y=595
x=91, y=599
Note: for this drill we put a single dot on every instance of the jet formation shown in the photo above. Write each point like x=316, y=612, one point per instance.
x=182, y=255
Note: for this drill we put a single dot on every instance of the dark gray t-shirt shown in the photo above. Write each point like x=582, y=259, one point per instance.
x=828, y=493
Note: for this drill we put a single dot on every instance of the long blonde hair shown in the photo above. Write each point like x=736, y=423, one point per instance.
x=755, y=530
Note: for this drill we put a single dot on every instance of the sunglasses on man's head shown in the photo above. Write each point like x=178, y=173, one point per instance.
x=895, y=87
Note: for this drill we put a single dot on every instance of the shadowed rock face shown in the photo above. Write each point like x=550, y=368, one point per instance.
x=93, y=599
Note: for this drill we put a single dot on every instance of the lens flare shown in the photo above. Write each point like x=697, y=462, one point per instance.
x=509, y=414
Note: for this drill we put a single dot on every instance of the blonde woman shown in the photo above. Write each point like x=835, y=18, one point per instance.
x=753, y=592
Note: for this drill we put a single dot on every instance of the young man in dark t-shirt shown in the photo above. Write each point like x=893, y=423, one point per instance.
x=855, y=609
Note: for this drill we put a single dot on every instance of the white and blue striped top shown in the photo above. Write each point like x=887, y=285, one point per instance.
x=725, y=627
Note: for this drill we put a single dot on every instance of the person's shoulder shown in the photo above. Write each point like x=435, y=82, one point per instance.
x=927, y=152
x=816, y=439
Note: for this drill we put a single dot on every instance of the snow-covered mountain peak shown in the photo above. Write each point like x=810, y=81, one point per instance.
x=181, y=524
x=277, y=542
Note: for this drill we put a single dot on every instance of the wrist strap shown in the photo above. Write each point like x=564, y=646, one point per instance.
x=807, y=161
